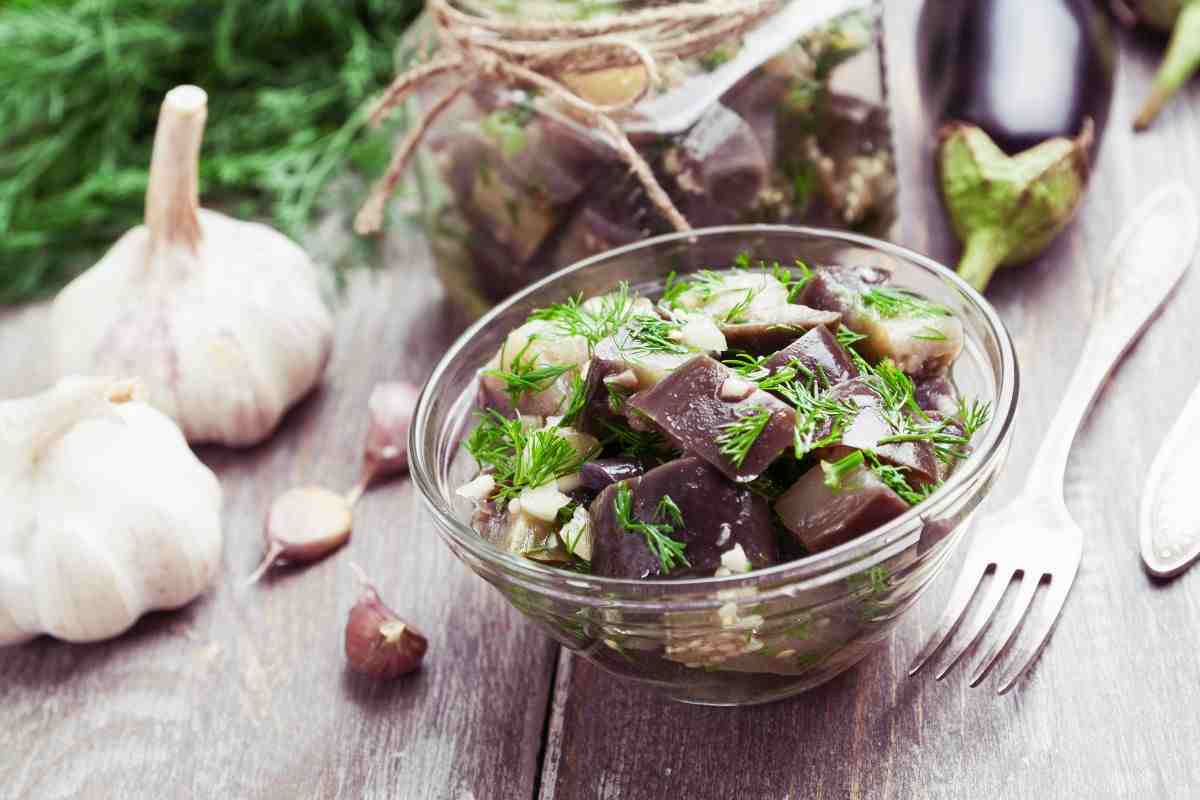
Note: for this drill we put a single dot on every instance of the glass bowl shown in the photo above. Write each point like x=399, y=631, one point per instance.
x=739, y=639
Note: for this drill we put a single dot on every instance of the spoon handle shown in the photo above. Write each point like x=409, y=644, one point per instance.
x=1148, y=257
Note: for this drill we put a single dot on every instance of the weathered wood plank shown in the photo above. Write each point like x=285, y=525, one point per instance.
x=245, y=694
x=1110, y=709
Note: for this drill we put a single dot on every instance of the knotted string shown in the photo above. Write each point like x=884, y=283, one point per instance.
x=477, y=42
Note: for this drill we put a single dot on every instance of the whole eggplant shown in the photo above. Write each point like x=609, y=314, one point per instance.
x=1182, y=19
x=1023, y=90
x=1022, y=71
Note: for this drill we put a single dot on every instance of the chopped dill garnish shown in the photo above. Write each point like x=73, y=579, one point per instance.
x=572, y=318
x=737, y=313
x=973, y=416
x=650, y=335
x=846, y=337
x=891, y=476
x=749, y=366
x=576, y=400
x=737, y=437
x=668, y=551
x=792, y=282
x=524, y=376
x=929, y=334
x=672, y=289
x=816, y=410
x=519, y=458
x=779, y=380
x=890, y=302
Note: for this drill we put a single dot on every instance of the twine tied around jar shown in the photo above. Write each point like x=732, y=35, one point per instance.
x=479, y=42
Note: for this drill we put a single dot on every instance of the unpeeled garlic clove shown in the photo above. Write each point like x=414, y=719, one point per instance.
x=378, y=642
x=390, y=412
x=304, y=525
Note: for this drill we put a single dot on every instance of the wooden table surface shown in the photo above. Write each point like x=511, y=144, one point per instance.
x=244, y=693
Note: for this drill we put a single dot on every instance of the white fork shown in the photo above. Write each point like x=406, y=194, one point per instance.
x=1034, y=537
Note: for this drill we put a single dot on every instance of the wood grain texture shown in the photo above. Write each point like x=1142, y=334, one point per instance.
x=245, y=694
x=1110, y=710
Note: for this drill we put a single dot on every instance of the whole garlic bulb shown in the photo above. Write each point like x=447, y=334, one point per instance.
x=107, y=515
x=222, y=320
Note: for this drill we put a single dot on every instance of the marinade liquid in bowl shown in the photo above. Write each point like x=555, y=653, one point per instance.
x=725, y=637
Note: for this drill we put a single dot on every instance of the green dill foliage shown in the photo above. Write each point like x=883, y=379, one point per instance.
x=651, y=335
x=288, y=82
x=672, y=289
x=593, y=321
x=525, y=376
x=973, y=415
x=519, y=458
x=668, y=551
x=795, y=281
x=739, y=310
x=891, y=476
x=576, y=400
x=929, y=334
x=846, y=337
x=816, y=410
x=890, y=302
x=736, y=438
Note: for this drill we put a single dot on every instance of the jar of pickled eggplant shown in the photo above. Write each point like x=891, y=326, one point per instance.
x=781, y=122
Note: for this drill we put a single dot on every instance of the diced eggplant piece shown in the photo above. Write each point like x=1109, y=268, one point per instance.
x=869, y=426
x=598, y=412
x=537, y=344
x=819, y=353
x=837, y=288
x=788, y=322
x=755, y=98
x=936, y=394
x=719, y=168
x=821, y=517
x=717, y=515
x=518, y=219
x=650, y=364
x=698, y=403
x=601, y=473
x=590, y=232
x=921, y=344
x=751, y=308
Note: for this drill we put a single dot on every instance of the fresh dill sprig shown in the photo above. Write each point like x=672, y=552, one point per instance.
x=791, y=281
x=739, y=310
x=737, y=437
x=576, y=400
x=672, y=289
x=846, y=337
x=519, y=458
x=816, y=409
x=748, y=365
x=650, y=335
x=524, y=376
x=929, y=334
x=891, y=302
x=668, y=551
x=891, y=476
x=973, y=416
x=573, y=317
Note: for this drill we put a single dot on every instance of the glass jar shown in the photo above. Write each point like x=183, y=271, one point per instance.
x=784, y=124
x=738, y=639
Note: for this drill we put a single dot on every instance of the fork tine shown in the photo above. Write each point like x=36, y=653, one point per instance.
x=960, y=598
x=1025, y=591
x=983, y=617
x=1060, y=587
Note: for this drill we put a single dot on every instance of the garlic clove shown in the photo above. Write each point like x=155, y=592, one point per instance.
x=304, y=525
x=377, y=642
x=390, y=411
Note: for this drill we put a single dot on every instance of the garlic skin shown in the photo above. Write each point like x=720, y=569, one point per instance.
x=222, y=320
x=108, y=513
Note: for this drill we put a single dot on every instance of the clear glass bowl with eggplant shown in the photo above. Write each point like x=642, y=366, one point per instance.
x=722, y=463
x=786, y=124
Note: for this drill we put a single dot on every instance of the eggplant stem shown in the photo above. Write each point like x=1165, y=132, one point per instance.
x=273, y=552
x=1179, y=64
x=982, y=254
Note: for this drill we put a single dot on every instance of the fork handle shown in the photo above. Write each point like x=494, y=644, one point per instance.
x=1149, y=256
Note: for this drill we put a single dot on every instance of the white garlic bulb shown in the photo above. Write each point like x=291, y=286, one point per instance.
x=107, y=514
x=222, y=320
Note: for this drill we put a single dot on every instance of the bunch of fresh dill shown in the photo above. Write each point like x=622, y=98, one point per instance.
x=83, y=80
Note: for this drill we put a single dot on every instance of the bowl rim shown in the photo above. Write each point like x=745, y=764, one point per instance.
x=1004, y=406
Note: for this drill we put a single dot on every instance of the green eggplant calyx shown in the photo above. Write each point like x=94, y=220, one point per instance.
x=1178, y=65
x=1007, y=209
